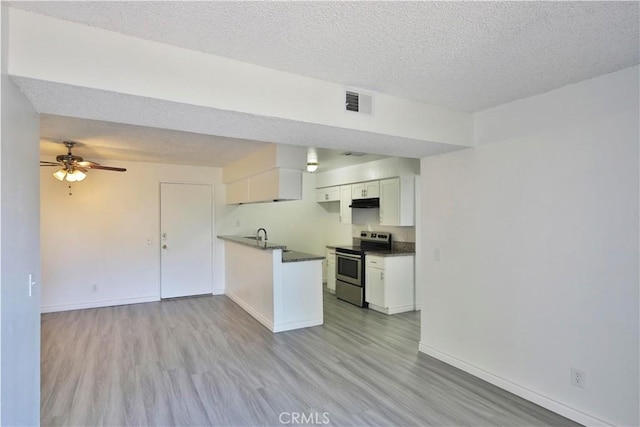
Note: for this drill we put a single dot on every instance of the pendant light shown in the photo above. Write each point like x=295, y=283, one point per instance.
x=312, y=159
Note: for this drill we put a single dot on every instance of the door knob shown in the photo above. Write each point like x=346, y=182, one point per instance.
x=164, y=246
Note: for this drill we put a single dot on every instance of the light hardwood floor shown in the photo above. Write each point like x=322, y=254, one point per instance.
x=204, y=361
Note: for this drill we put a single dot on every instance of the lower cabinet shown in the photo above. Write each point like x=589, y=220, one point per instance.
x=331, y=270
x=390, y=286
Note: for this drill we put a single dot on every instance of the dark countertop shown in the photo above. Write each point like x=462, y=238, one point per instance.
x=295, y=256
x=389, y=253
x=287, y=255
x=253, y=243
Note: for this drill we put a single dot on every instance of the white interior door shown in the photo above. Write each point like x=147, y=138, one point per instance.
x=186, y=261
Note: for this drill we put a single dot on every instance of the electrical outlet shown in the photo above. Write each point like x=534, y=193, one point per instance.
x=94, y=287
x=578, y=377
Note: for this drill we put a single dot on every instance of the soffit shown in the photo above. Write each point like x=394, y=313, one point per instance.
x=462, y=55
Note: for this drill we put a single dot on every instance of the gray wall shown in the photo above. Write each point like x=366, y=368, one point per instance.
x=19, y=253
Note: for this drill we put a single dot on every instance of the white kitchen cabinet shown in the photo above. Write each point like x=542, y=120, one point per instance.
x=331, y=270
x=276, y=184
x=390, y=286
x=365, y=190
x=345, y=202
x=397, y=201
x=328, y=194
x=237, y=192
x=270, y=174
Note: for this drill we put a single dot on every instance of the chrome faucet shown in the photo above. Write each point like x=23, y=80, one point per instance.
x=258, y=235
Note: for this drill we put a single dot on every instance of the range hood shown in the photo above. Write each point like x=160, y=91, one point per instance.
x=365, y=203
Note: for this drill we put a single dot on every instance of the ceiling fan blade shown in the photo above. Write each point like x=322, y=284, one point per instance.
x=107, y=168
x=81, y=169
x=42, y=163
x=87, y=163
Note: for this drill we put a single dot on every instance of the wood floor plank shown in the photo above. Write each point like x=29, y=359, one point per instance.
x=205, y=361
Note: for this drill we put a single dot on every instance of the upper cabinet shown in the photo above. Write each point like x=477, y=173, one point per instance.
x=328, y=194
x=397, y=201
x=270, y=174
x=237, y=192
x=274, y=185
x=345, y=202
x=365, y=190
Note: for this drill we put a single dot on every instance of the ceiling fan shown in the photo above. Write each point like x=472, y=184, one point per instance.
x=74, y=168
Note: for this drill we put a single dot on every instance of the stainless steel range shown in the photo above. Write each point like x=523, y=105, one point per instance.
x=350, y=277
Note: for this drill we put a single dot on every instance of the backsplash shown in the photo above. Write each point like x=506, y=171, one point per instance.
x=400, y=234
x=409, y=247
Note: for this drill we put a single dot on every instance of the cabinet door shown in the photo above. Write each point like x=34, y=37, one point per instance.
x=329, y=194
x=390, y=201
x=331, y=271
x=333, y=194
x=374, y=290
x=357, y=191
x=238, y=192
x=321, y=195
x=372, y=189
x=345, y=201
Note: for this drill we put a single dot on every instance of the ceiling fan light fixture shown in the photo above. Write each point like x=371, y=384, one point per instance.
x=76, y=176
x=60, y=174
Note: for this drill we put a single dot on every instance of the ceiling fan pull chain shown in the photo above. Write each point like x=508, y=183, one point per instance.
x=70, y=190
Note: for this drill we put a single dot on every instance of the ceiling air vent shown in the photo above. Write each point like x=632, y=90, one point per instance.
x=358, y=102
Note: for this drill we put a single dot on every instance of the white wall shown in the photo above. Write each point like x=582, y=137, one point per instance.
x=100, y=234
x=19, y=253
x=538, y=232
x=369, y=219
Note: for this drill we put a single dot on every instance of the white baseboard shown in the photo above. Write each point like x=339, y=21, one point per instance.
x=97, y=304
x=392, y=310
x=281, y=327
x=525, y=393
x=246, y=307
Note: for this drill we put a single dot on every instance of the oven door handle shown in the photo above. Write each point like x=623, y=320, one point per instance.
x=355, y=257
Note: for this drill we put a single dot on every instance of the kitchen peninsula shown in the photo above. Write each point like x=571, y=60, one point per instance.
x=280, y=288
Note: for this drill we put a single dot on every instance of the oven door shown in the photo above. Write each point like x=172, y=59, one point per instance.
x=349, y=268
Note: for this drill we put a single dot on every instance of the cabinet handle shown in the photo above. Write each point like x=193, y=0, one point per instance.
x=382, y=275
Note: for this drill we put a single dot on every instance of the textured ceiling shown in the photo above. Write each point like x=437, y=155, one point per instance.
x=115, y=141
x=464, y=55
x=64, y=107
